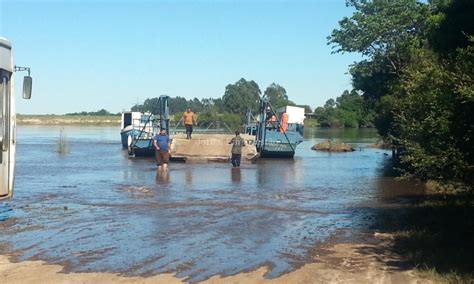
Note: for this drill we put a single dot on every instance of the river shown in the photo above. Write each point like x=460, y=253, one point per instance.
x=95, y=209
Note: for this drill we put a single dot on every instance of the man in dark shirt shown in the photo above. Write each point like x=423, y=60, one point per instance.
x=237, y=144
x=162, y=145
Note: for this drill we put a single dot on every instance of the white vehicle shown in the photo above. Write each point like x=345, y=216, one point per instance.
x=8, y=116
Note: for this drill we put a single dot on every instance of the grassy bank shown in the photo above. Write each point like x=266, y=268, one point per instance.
x=433, y=233
x=67, y=120
x=311, y=123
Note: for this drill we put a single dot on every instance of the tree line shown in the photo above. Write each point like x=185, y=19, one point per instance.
x=231, y=108
x=417, y=76
x=348, y=110
x=101, y=112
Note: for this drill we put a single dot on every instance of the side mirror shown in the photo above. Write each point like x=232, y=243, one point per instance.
x=27, y=85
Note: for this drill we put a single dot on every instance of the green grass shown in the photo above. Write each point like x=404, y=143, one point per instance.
x=310, y=122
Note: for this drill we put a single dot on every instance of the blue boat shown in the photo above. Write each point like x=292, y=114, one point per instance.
x=139, y=129
x=142, y=147
x=277, y=131
x=135, y=125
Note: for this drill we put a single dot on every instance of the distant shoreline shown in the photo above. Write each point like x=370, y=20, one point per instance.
x=49, y=119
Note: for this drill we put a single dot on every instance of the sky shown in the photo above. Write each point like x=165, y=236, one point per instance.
x=90, y=55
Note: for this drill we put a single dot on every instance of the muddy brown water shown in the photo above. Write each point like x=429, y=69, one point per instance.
x=96, y=209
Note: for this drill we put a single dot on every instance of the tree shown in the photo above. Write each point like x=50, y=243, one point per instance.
x=385, y=32
x=349, y=110
x=326, y=115
x=307, y=108
x=330, y=104
x=425, y=124
x=277, y=95
x=195, y=104
x=452, y=25
x=418, y=76
x=382, y=30
x=349, y=101
x=177, y=104
x=101, y=112
x=241, y=96
x=149, y=105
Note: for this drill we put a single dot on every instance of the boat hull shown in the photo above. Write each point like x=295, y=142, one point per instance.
x=124, y=134
x=275, y=144
x=134, y=125
x=278, y=151
x=142, y=148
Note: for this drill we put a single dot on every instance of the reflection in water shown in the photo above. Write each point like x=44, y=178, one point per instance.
x=277, y=172
x=162, y=177
x=342, y=134
x=5, y=211
x=189, y=176
x=236, y=175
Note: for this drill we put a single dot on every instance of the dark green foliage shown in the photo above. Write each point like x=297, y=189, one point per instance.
x=418, y=77
x=382, y=30
x=373, y=79
x=149, y=105
x=242, y=96
x=277, y=95
x=176, y=105
x=453, y=23
x=433, y=119
x=228, y=121
x=234, y=121
x=210, y=112
x=327, y=116
x=349, y=110
x=330, y=104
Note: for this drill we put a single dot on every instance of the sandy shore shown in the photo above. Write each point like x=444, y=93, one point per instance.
x=343, y=263
x=67, y=120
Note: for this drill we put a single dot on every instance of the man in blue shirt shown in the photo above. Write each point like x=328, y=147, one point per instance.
x=162, y=145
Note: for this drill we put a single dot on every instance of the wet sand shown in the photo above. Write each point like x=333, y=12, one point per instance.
x=340, y=263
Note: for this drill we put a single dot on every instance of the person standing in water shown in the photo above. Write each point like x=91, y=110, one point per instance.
x=189, y=120
x=237, y=144
x=162, y=145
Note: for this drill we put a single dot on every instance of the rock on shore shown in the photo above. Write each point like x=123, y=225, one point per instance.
x=332, y=147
